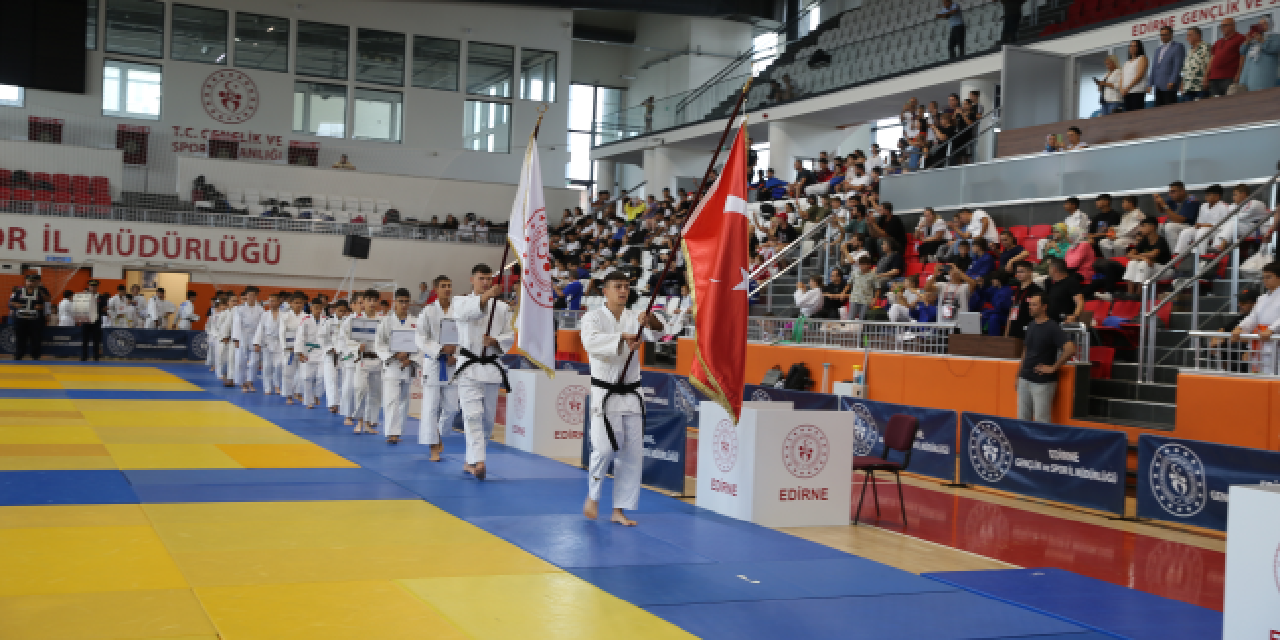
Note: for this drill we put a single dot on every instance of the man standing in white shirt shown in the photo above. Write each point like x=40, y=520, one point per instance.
x=245, y=319
x=808, y=298
x=396, y=342
x=439, y=396
x=1264, y=318
x=310, y=352
x=187, y=312
x=479, y=373
x=349, y=356
x=159, y=311
x=289, y=323
x=330, y=335
x=222, y=334
x=368, y=365
x=267, y=345
x=609, y=335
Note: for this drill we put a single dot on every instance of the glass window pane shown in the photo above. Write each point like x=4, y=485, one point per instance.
x=262, y=42
x=320, y=109
x=380, y=57
x=91, y=24
x=435, y=63
x=490, y=68
x=11, y=96
x=538, y=75
x=322, y=50
x=608, y=106
x=135, y=27
x=579, y=157
x=582, y=98
x=487, y=126
x=199, y=35
x=378, y=115
x=131, y=90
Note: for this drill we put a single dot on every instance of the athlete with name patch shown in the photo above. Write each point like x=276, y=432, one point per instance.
x=368, y=367
x=439, y=397
x=245, y=319
x=330, y=332
x=609, y=335
x=289, y=322
x=267, y=345
x=349, y=357
x=397, y=345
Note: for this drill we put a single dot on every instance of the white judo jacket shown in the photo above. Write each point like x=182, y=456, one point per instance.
x=389, y=325
x=472, y=321
x=602, y=339
x=429, y=321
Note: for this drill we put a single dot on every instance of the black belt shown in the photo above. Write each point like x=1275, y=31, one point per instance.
x=471, y=358
x=610, y=390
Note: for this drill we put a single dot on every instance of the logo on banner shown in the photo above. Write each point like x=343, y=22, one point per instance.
x=805, y=451
x=8, y=339
x=120, y=343
x=570, y=403
x=200, y=345
x=1178, y=480
x=989, y=451
x=760, y=395
x=538, y=281
x=518, y=399
x=865, y=432
x=724, y=446
x=686, y=401
x=229, y=96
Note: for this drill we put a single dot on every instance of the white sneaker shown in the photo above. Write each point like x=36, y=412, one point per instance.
x=1102, y=296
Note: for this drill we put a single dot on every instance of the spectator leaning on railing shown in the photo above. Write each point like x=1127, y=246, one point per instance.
x=955, y=19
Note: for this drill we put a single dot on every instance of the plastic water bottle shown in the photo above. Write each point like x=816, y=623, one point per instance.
x=857, y=374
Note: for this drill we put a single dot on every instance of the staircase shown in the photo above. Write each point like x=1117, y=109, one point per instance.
x=782, y=290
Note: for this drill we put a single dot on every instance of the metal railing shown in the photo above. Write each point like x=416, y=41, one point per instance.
x=1150, y=306
x=1078, y=333
x=1250, y=354
x=987, y=124
x=900, y=337
x=401, y=230
x=794, y=244
x=568, y=319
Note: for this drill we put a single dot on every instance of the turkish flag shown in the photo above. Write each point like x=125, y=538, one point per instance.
x=716, y=248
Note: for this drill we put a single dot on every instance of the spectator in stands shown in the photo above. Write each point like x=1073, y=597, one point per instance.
x=1252, y=212
x=633, y=208
x=1126, y=232
x=1261, y=54
x=931, y=232
x=1103, y=223
x=1182, y=212
x=1134, y=85
x=943, y=129
x=913, y=153
x=1196, y=66
x=821, y=177
x=804, y=178
x=789, y=91
x=857, y=181
x=890, y=265
x=1265, y=316
x=1057, y=245
x=1063, y=292
x=809, y=298
x=1213, y=211
x=424, y=292
x=887, y=225
x=1024, y=287
x=1109, y=86
x=1166, y=72
x=1045, y=350
x=862, y=287
x=953, y=292
x=1080, y=258
x=1010, y=250
x=1151, y=253
x=770, y=188
x=343, y=163
x=1071, y=143
x=648, y=104
x=1225, y=63
x=955, y=19
x=1012, y=18
x=983, y=262
x=970, y=225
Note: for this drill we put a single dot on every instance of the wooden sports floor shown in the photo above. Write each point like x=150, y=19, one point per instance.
x=148, y=501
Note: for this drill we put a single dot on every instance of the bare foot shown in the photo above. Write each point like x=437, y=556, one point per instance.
x=311, y=406
x=470, y=468
x=622, y=519
x=371, y=428
x=333, y=409
x=249, y=388
x=480, y=471
x=435, y=452
x=591, y=509
x=288, y=400
x=346, y=422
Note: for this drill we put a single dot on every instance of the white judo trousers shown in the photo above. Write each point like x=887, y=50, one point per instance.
x=368, y=385
x=289, y=374
x=397, y=387
x=347, y=404
x=309, y=378
x=439, y=409
x=332, y=381
x=271, y=369
x=479, y=403
x=226, y=359
x=627, y=461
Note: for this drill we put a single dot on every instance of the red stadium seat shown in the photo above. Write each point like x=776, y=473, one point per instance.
x=1101, y=358
x=82, y=198
x=80, y=184
x=43, y=196
x=22, y=195
x=1040, y=231
x=6, y=178
x=99, y=184
x=1019, y=232
x=1100, y=308
x=102, y=199
x=64, y=197
x=6, y=194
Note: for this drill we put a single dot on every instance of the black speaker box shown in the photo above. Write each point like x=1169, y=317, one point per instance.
x=356, y=247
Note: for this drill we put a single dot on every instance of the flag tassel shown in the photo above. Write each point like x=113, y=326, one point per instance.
x=671, y=257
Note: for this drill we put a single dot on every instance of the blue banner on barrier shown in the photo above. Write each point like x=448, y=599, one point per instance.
x=1187, y=481
x=801, y=400
x=664, y=449
x=137, y=344
x=934, y=452
x=1084, y=467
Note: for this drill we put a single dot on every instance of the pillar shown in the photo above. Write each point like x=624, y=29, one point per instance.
x=658, y=172
x=605, y=178
x=790, y=140
x=985, y=148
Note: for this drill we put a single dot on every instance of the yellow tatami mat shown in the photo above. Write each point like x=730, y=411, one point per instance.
x=14, y=376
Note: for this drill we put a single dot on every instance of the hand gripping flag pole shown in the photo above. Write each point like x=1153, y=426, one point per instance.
x=671, y=258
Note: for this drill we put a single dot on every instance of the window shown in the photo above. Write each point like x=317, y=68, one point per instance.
x=380, y=57
x=487, y=126
x=322, y=50
x=378, y=116
x=91, y=24
x=490, y=68
x=262, y=42
x=538, y=75
x=135, y=27
x=435, y=63
x=131, y=90
x=320, y=109
x=199, y=35
x=11, y=96
x=589, y=104
x=764, y=51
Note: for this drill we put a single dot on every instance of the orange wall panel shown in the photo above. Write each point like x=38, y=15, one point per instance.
x=1225, y=409
x=1274, y=411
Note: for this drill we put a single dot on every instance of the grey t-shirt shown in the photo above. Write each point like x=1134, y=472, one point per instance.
x=1041, y=346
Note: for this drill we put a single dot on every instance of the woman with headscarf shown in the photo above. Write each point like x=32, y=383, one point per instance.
x=1261, y=54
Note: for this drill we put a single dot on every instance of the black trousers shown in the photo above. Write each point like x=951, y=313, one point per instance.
x=1166, y=97
x=1012, y=18
x=956, y=42
x=1135, y=101
x=90, y=334
x=29, y=333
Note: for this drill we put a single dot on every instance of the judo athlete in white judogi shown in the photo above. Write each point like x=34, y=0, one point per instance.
x=244, y=324
x=480, y=373
x=1264, y=320
x=609, y=335
x=211, y=352
x=289, y=322
x=439, y=396
x=368, y=370
x=160, y=311
x=267, y=346
x=330, y=336
x=66, y=318
x=397, y=345
x=310, y=352
x=349, y=358
x=226, y=350
x=187, y=312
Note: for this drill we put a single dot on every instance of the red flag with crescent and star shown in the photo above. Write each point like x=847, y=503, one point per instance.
x=716, y=251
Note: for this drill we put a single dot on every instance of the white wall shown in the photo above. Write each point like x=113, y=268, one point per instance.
x=433, y=120
x=58, y=158
x=603, y=64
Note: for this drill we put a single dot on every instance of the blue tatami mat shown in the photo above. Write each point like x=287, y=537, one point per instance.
x=573, y=541
x=65, y=487
x=251, y=476
x=1107, y=607
x=265, y=492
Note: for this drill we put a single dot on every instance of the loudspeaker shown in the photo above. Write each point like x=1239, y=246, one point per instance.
x=356, y=247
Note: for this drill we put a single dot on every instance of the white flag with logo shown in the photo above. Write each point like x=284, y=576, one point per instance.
x=527, y=233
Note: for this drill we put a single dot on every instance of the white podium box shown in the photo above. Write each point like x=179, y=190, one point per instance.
x=544, y=416
x=1252, y=602
x=779, y=467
